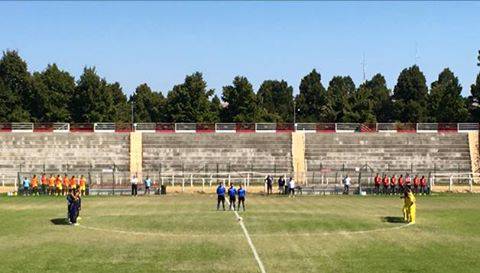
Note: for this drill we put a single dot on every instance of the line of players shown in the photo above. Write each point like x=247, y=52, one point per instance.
x=54, y=185
x=394, y=185
x=233, y=193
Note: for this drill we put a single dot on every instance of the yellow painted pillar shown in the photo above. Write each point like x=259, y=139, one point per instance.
x=136, y=154
x=298, y=157
x=474, y=154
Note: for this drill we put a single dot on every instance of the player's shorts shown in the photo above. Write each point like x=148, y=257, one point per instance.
x=221, y=198
x=82, y=188
x=232, y=199
x=241, y=199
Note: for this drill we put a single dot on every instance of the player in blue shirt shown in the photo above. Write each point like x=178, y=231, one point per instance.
x=26, y=186
x=232, y=194
x=241, y=197
x=220, y=196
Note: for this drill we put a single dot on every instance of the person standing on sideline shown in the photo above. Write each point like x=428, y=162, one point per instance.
x=286, y=186
x=51, y=185
x=377, y=181
x=269, y=182
x=232, y=192
x=148, y=184
x=73, y=182
x=347, y=181
x=58, y=185
x=65, y=184
x=220, y=196
x=385, y=182
x=34, y=185
x=291, y=187
x=393, y=185
x=82, y=185
x=408, y=181
x=241, y=197
x=423, y=185
x=281, y=184
x=44, y=184
x=416, y=183
x=26, y=186
x=134, y=183
x=401, y=183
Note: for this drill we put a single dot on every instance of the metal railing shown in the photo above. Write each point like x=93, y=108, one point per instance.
x=109, y=127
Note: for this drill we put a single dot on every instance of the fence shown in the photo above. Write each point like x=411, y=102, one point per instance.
x=110, y=127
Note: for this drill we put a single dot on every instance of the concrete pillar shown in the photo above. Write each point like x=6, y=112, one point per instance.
x=298, y=157
x=136, y=154
x=474, y=154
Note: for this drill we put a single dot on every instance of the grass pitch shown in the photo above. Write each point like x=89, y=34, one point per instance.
x=185, y=233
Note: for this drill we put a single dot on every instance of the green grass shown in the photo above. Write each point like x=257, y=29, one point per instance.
x=184, y=233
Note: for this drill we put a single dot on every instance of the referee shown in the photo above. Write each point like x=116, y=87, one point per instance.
x=220, y=196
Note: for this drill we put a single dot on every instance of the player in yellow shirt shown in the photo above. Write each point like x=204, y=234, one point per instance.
x=83, y=185
x=58, y=184
x=51, y=185
x=409, y=206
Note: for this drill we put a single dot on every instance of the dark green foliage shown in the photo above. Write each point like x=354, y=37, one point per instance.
x=149, y=106
x=189, y=101
x=410, y=96
x=276, y=97
x=380, y=96
x=446, y=103
x=242, y=104
x=95, y=100
x=15, y=89
x=312, y=101
x=53, y=91
x=340, y=92
x=474, y=100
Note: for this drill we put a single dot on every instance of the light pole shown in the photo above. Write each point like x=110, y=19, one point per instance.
x=132, y=118
x=294, y=113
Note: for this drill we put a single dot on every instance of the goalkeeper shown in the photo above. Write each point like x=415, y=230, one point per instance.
x=409, y=206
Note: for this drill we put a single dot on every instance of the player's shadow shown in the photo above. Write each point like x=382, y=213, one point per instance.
x=393, y=219
x=59, y=221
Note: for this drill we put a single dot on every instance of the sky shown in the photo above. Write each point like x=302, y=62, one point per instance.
x=159, y=43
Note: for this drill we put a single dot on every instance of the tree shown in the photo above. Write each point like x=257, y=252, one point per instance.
x=189, y=101
x=149, y=106
x=276, y=97
x=242, y=104
x=95, y=100
x=340, y=91
x=474, y=100
x=410, y=96
x=362, y=107
x=380, y=96
x=312, y=101
x=15, y=94
x=53, y=90
x=446, y=103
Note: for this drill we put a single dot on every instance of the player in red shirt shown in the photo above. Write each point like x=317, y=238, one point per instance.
x=393, y=182
x=401, y=181
x=386, y=182
x=377, y=181
x=423, y=185
x=416, y=183
x=408, y=181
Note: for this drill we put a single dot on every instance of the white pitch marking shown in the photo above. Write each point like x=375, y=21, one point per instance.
x=249, y=240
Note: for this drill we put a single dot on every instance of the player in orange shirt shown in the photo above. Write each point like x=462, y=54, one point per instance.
x=51, y=185
x=58, y=185
x=73, y=182
x=35, y=185
x=44, y=183
x=65, y=183
x=83, y=185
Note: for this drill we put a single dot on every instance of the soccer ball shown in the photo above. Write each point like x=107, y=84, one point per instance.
x=239, y=218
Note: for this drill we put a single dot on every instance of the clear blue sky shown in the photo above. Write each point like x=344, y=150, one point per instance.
x=160, y=42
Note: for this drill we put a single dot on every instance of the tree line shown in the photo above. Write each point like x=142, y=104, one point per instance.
x=55, y=95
